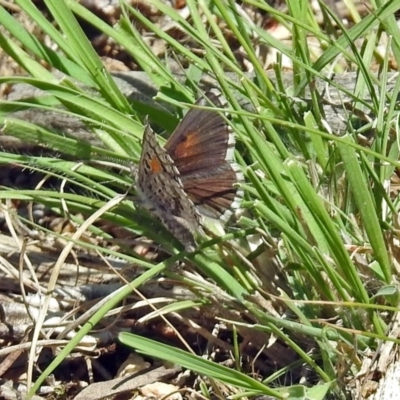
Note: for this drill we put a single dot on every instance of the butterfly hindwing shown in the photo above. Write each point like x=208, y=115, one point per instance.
x=161, y=192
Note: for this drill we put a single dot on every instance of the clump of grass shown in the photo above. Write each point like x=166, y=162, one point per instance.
x=319, y=220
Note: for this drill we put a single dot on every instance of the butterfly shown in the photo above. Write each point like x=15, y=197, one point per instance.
x=194, y=175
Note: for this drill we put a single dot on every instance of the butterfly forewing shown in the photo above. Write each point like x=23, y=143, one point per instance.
x=201, y=141
x=202, y=149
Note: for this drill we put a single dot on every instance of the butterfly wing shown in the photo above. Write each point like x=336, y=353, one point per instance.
x=202, y=148
x=161, y=192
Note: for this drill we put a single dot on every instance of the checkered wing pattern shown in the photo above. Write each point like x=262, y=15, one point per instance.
x=161, y=191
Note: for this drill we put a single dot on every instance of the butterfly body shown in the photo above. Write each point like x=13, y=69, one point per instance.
x=160, y=191
x=193, y=175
